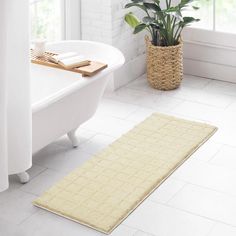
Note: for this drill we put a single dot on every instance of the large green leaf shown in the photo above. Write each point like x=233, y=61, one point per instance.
x=137, y=1
x=152, y=6
x=185, y=3
x=171, y=9
x=155, y=26
x=148, y=19
x=174, y=12
x=188, y=20
x=195, y=8
x=132, y=20
x=140, y=28
x=136, y=5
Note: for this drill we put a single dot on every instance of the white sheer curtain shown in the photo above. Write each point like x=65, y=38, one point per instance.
x=15, y=107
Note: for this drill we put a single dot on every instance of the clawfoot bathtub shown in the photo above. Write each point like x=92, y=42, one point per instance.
x=62, y=100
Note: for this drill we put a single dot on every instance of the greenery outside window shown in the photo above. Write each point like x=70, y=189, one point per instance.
x=47, y=19
x=216, y=15
x=55, y=19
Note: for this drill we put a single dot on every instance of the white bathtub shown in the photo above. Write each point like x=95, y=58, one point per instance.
x=62, y=100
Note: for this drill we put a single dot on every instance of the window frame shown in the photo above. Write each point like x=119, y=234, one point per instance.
x=210, y=37
x=71, y=14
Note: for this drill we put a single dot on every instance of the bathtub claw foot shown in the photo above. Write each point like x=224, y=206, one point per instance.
x=24, y=177
x=73, y=138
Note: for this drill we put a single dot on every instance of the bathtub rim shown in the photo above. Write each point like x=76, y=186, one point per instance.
x=83, y=81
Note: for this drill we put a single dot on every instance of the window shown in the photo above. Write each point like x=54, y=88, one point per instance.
x=210, y=45
x=217, y=15
x=55, y=19
x=47, y=19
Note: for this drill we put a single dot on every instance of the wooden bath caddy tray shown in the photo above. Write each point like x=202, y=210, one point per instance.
x=89, y=70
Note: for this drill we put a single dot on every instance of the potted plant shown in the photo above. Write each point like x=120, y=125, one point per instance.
x=164, y=46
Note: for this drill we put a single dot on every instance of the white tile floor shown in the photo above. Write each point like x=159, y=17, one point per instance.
x=199, y=199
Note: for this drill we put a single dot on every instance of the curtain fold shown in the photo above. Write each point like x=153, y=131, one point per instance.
x=15, y=104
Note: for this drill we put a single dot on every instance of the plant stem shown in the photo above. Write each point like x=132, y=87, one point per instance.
x=169, y=31
x=165, y=40
x=177, y=33
x=151, y=32
x=147, y=13
x=173, y=28
x=167, y=4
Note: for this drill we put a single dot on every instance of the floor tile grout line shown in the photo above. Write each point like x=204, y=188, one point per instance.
x=229, y=105
x=182, y=187
x=143, y=106
x=147, y=233
x=208, y=188
x=206, y=104
x=27, y=218
x=229, y=145
x=222, y=146
x=212, y=228
x=80, y=143
x=208, y=162
x=191, y=117
x=35, y=176
x=28, y=192
x=227, y=95
x=210, y=79
x=111, y=116
x=205, y=87
x=195, y=214
x=137, y=229
x=183, y=100
x=214, y=155
x=65, y=146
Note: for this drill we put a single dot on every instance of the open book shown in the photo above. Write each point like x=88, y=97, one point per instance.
x=69, y=60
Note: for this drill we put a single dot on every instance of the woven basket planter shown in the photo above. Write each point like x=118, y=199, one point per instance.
x=164, y=66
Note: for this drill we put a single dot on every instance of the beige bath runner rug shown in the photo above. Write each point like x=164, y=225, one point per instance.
x=107, y=188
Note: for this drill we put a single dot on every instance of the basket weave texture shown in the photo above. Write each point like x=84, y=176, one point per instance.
x=164, y=66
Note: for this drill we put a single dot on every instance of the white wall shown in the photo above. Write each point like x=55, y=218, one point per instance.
x=103, y=20
x=96, y=20
x=131, y=45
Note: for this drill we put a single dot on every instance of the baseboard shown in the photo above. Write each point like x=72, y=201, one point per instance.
x=210, y=61
x=197, y=66
x=210, y=70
